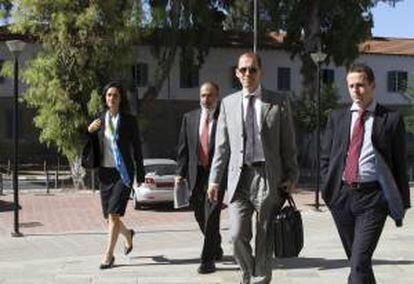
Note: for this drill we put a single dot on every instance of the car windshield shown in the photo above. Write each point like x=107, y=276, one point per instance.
x=161, y=169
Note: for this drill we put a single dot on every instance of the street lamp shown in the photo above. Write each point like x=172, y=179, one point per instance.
x=254, y=26
x=16, y=47
x=318, y=58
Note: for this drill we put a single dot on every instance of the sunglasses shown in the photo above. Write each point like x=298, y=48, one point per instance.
x=252, y=70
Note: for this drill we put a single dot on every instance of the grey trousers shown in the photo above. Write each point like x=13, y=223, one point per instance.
x=252, y=196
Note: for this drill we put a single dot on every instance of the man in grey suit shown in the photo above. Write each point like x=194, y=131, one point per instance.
x=255, y=144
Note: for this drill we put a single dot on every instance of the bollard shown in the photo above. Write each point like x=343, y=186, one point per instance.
x=1, y=183
x=46, y=176
x=57, y=173
x=93, y=180
x=8, y=168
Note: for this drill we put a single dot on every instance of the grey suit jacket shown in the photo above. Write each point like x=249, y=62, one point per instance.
x=278, y=140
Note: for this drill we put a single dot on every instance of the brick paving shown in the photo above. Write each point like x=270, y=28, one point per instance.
x=80, y=211
x=65, y=235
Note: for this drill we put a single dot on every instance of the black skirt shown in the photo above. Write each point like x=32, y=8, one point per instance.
x=114, y=194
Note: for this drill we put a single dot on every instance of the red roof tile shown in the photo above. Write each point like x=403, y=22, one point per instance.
x=387, y=46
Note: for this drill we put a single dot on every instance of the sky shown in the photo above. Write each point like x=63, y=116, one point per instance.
x=395, y=21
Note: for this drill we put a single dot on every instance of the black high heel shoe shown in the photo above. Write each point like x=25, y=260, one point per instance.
x=126, y=249
x=107, y=265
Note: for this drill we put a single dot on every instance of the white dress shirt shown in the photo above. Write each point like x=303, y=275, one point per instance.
x=108, y=160
x=366, y=164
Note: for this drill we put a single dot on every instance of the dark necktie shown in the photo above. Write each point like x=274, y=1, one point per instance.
x=203, y=153
x=250, y=126
x=354, y=149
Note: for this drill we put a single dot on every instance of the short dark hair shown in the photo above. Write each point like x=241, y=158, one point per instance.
x=253, y=55
x=362, y=68
x=123, y=106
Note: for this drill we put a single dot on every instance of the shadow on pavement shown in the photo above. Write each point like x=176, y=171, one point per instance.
x=162, y=260
x=325, y=264
x=63, y=234
x=163, y=207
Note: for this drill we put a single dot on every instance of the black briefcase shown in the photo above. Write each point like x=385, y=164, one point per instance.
x=90, y=153
x=288, y=228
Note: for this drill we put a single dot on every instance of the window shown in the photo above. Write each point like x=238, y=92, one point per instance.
x=328, y=76
x=235, y=83
x=1, y=66
x=189, y=77
x=140, y=74
x=397, y=81
x=283, y=79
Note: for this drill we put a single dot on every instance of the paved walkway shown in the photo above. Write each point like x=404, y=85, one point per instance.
x=64, y=236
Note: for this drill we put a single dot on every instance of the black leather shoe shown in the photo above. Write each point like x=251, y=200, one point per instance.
x=219, y=255
x=206, y=268
x=126, y=249
x=107, y=265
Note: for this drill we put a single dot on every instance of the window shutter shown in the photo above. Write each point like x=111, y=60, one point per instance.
x=402, y=81
x=391, y=81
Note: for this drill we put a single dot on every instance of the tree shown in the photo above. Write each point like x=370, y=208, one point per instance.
x=5, y=8
x=82, y=44
x=180, y=25
x=335, y=27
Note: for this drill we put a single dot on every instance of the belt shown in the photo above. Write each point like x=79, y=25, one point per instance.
x=259, y=164
x=363, y=185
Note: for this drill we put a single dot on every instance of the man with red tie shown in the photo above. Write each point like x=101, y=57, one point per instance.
x=363, y=163
x=195, y=152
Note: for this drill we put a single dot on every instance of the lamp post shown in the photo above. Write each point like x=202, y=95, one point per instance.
x=318, y=58
x=16, y=47
x=254, y=26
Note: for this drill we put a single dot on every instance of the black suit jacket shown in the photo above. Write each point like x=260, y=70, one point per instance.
x=129, y=144
x=189, y=145
x=388, y=138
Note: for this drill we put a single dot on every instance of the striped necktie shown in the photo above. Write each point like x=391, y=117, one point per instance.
x=354, y=150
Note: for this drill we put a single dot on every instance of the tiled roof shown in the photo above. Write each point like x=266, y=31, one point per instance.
x=386, y=46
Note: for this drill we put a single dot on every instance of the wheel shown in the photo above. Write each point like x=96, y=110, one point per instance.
x=137, y=205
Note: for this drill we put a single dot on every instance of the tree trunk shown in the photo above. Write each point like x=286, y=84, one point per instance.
x=78, y=173
x=311, y=44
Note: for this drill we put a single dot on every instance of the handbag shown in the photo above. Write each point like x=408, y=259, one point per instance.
x=288, y=230
x=90, y=153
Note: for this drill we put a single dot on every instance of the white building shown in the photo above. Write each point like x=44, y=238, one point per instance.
x=391, y=59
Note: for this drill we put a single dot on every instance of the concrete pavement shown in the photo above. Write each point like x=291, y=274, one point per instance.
x=64, y=236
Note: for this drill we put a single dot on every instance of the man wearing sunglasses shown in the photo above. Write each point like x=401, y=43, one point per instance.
x=256, y=147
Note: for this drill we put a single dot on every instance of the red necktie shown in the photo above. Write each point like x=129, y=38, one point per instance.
x=354, y=150
x=203, y=153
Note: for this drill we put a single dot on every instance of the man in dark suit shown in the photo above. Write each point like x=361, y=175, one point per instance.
x=359, y=142
x=195, y=151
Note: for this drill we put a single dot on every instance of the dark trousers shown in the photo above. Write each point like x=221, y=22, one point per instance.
x=207, y=215
x=360, y=215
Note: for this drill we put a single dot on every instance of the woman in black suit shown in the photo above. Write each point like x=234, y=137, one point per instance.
x=120, y=160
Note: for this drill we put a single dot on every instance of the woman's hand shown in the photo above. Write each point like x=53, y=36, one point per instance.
x=95, y=125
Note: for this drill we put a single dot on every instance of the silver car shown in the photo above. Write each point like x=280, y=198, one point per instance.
x=159, y=183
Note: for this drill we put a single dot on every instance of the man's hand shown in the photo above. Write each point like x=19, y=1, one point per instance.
x=289, y=187
x=179, y=179
x=212, y=192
